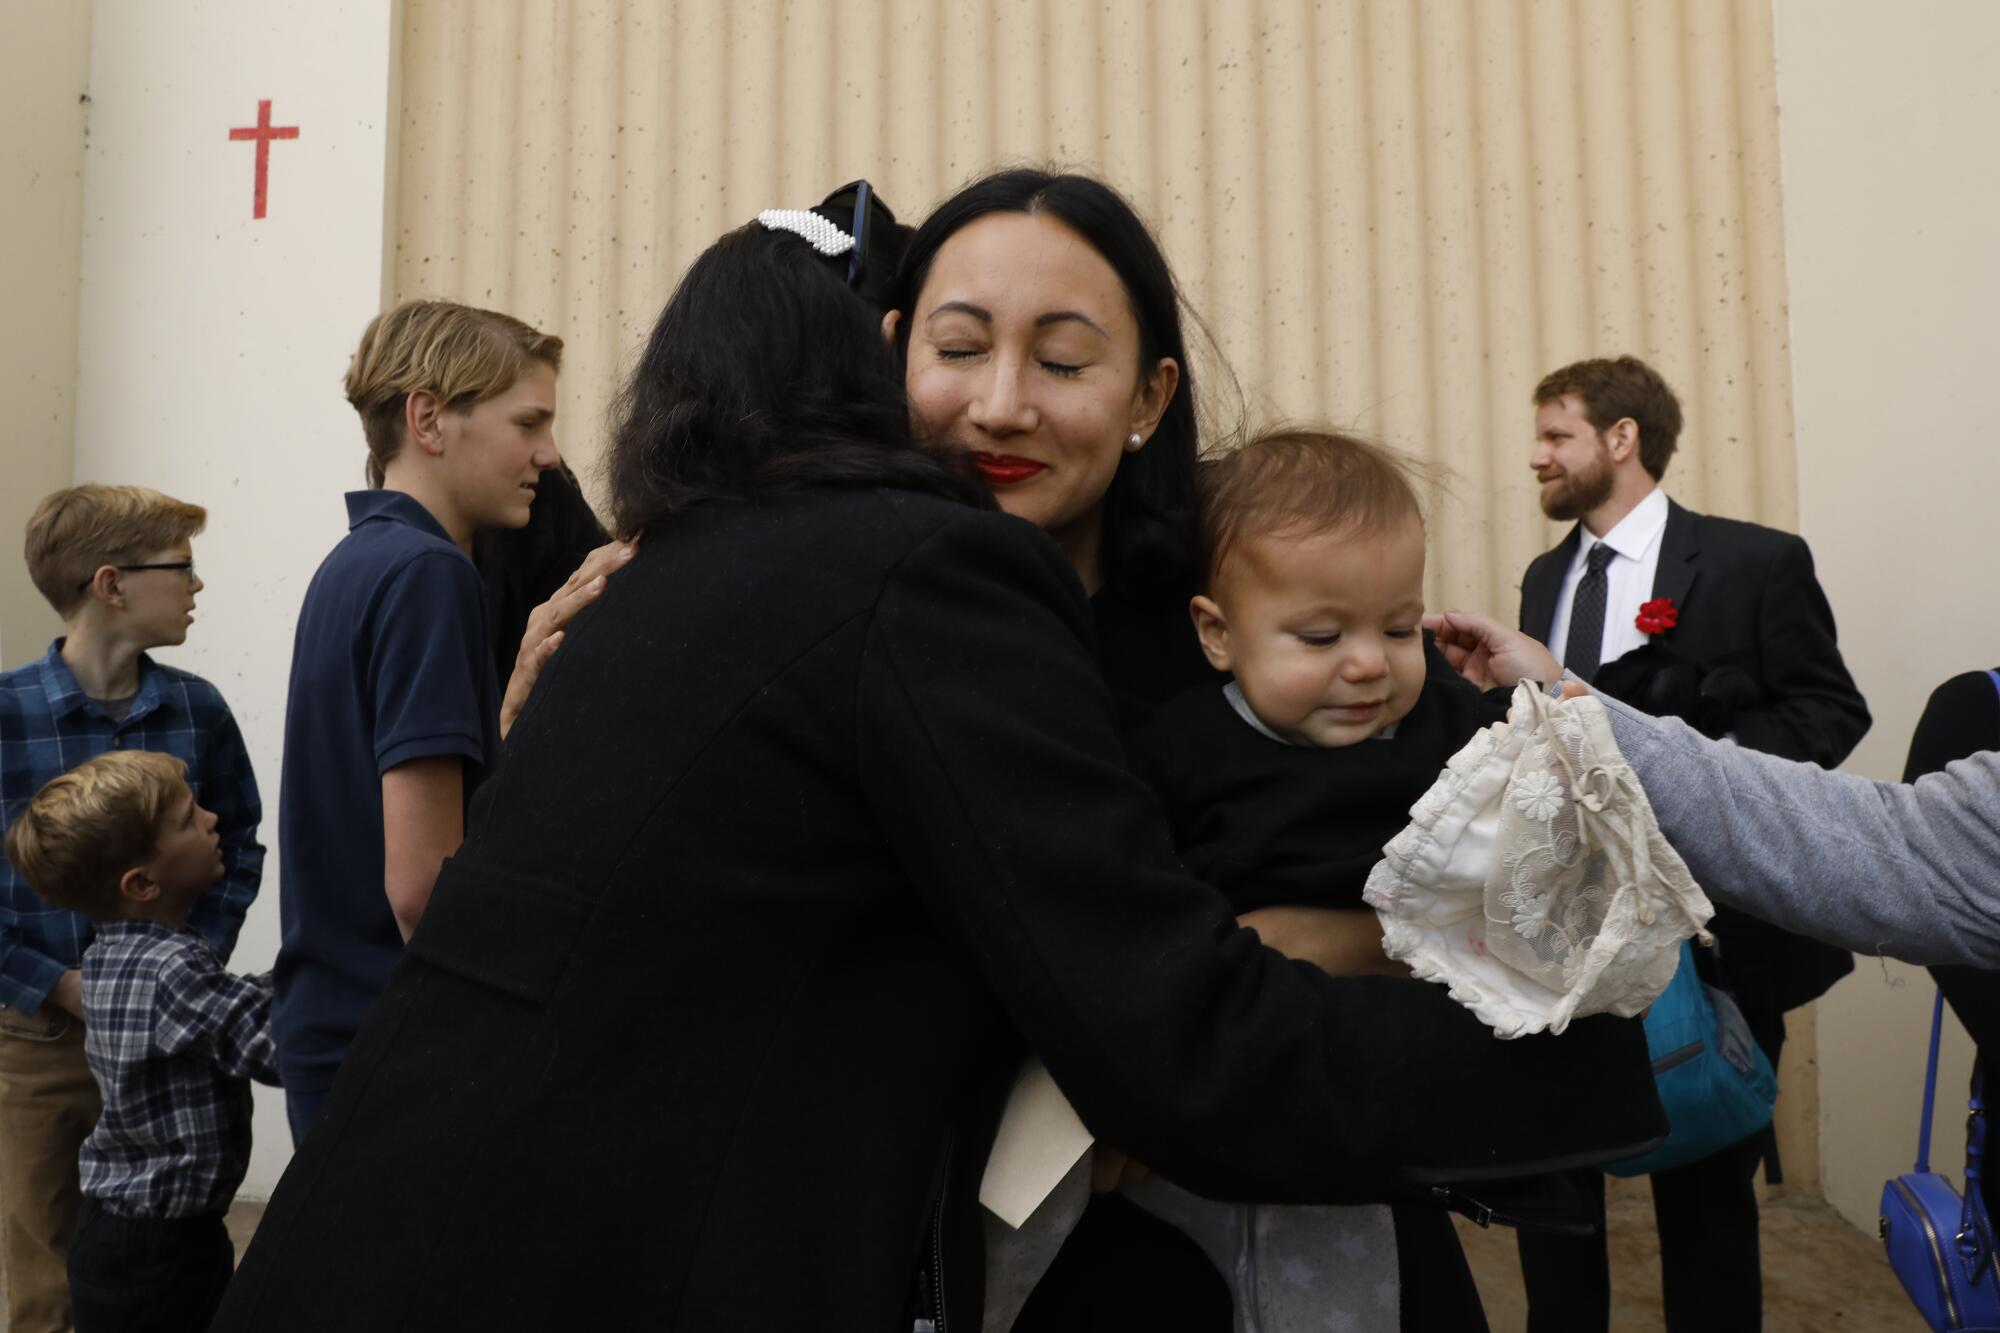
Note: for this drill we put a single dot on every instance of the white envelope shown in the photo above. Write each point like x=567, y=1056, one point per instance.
x=1040, y=1139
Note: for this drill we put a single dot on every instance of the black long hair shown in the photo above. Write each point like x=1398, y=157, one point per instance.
x=1150, y=538
x=765, y=374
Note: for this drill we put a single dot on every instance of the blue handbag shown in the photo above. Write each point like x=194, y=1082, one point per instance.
x=1715, y=1082
x=1941, y=1245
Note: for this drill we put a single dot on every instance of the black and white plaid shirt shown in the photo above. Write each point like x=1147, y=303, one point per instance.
x=173, y=1038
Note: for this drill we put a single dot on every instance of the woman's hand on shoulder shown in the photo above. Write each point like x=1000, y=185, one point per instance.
x=549, y=621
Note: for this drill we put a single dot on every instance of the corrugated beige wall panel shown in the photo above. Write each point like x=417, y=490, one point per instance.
x=1523, y=314
x=1766, y=350
x=1342, y=333
x=1393, y=216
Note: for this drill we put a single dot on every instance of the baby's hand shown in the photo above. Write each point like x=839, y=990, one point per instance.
x=1338, y=941
x=1110, y=1167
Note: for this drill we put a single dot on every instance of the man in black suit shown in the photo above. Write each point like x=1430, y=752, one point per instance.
x=1721, y=623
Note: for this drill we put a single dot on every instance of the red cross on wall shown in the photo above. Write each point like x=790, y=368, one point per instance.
x=263, y=133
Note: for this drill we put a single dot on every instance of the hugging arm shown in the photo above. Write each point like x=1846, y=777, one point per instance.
x=990, y=757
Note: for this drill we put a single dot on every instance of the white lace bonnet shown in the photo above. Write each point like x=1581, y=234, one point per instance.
x=1533, y=880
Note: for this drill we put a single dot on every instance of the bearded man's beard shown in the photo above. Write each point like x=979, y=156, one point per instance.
x=1575, y=494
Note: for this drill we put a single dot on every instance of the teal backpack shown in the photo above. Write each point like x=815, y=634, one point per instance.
x=1715, y=1083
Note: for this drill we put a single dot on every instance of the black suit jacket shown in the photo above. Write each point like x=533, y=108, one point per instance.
x=1748, y=600
x=818, y=815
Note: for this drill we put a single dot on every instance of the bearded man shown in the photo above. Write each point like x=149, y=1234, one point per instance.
x=1723, y=624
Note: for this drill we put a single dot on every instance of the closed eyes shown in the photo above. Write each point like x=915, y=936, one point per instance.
x=1061, y=369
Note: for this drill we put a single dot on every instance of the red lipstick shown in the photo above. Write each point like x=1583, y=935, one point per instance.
x=1005, y=469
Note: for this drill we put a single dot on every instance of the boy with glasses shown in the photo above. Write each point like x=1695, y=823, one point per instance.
x=117, y=565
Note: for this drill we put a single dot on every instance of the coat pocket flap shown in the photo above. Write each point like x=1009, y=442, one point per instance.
x=512, y=932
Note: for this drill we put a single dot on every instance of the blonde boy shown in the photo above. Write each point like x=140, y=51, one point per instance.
x=394, y=707
x=172, y=1038
x=117, y=564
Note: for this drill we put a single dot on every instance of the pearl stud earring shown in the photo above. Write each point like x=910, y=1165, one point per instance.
x=1132, y=443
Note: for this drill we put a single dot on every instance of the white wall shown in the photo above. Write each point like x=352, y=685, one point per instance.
x=44, y=71
x=212, y=345
x=1887, y=116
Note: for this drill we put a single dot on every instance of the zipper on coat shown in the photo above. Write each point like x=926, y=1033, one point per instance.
x=1255, y=1305
x=925, y=1319
x=935, y=1324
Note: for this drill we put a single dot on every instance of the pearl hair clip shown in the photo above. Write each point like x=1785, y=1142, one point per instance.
x=817, y=232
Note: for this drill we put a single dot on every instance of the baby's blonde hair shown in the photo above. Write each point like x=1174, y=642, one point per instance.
x=1301, y=481
x=84, y=829
x=74, y=531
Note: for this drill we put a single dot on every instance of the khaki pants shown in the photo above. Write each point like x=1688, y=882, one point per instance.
x=48, y=1104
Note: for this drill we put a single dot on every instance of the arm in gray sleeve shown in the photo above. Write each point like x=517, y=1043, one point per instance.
x=1877, y=867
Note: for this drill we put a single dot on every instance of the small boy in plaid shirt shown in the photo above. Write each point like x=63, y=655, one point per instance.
x=172, y=1038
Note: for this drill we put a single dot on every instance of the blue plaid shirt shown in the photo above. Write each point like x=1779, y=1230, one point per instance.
x=48, y=726
x=173, y=1039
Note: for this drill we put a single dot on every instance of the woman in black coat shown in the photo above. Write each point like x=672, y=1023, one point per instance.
x=815, y=819
x=1085, y=427
x=1041, y=331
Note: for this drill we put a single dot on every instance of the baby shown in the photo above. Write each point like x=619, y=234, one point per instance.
x=1283, y=785
x=1282, y=788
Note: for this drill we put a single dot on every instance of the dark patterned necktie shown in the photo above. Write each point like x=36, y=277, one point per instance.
x=1586, y=615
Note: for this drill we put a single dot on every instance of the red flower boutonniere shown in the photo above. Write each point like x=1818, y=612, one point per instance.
x=1658, y=616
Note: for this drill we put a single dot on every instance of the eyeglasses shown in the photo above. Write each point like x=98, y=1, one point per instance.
x=185, y=566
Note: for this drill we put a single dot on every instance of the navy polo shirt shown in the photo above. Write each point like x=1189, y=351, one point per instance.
x=390, y=664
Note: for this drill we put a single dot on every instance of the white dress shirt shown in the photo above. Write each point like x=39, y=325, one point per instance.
x=1628, y=579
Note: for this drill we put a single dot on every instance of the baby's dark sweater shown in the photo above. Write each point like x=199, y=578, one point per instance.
x=1267, y=822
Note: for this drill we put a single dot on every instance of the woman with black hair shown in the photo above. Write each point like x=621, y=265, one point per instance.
x=819, y=815
x=1041, y=330
x=539, y=578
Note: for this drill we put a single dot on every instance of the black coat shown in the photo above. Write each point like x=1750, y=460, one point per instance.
x=1269, y=823
x=812, y=814
x=1748, y=599
x=1754, y=654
